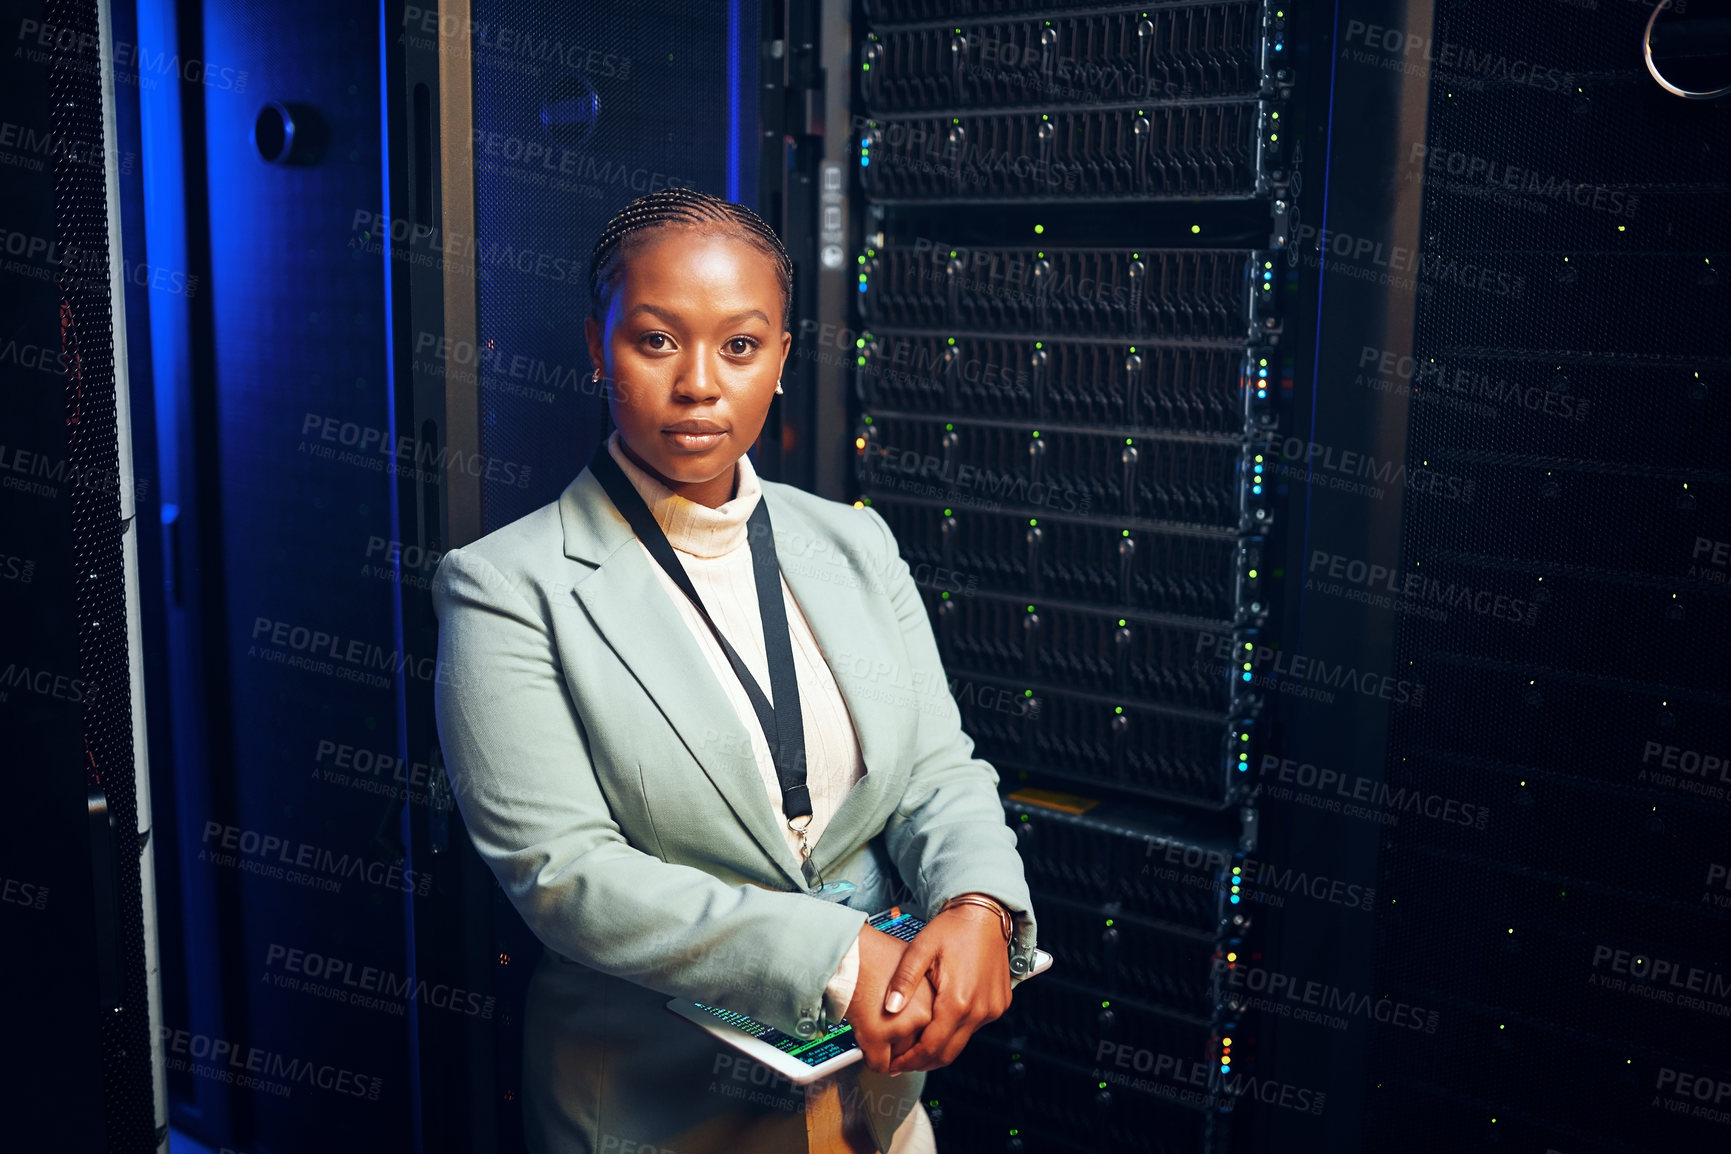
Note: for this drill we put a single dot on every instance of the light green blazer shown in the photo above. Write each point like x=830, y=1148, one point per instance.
x=610, y=785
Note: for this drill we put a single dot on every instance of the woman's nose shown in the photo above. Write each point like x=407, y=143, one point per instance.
x=696, y=378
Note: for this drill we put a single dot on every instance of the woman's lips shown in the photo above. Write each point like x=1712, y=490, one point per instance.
x=694, y=442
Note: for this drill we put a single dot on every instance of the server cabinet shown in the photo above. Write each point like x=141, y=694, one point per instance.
x=1068, y=333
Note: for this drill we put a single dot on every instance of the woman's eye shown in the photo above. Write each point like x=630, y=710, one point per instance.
x=741, y=346
x=657, y=341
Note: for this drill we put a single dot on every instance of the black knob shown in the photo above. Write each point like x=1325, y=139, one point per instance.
x=289, y=133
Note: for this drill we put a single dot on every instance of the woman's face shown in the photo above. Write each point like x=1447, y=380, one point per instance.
x=694, y=345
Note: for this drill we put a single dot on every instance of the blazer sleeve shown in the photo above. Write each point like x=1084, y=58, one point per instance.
x=948, y=835
x=518, y=757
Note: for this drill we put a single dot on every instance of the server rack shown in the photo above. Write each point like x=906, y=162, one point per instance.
x=1581, y=411
x=1067, y=357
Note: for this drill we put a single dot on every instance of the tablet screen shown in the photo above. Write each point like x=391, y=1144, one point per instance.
x=813, y=1052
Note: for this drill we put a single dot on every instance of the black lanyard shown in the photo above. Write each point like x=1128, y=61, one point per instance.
x=783, y=727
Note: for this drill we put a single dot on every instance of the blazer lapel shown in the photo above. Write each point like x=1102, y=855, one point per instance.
x=633, y=612
x=858, y=639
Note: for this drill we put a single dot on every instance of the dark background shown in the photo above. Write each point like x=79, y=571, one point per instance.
x=1470, y=889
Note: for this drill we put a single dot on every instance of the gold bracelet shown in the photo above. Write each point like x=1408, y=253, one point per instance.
x=985, y=903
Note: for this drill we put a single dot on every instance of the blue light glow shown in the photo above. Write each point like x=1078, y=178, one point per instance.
x=734, y=155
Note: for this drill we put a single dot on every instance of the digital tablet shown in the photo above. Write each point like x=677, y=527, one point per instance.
x=801, y=1060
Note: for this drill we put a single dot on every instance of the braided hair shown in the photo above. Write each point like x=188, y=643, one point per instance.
x=682, y=208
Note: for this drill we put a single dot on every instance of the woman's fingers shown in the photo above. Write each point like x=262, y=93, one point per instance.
x=916, y=960
x=881, y=1036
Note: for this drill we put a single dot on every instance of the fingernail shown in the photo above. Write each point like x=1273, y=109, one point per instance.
x=894, y=1003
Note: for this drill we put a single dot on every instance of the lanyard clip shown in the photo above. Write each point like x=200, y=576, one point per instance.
x=799, y=825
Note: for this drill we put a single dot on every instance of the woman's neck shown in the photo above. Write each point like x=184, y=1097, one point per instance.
x=715, y=492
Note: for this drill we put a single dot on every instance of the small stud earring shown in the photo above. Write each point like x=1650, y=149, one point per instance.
x=778, y=387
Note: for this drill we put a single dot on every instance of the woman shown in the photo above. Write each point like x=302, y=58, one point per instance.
x=669, y=813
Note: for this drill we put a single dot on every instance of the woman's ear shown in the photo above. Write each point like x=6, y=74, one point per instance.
x=592, y=333
x=786, y=347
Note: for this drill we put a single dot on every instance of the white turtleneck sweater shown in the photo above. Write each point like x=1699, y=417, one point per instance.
x=714, y=548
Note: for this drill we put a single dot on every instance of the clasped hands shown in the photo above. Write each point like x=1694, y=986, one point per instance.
x=916, y=1004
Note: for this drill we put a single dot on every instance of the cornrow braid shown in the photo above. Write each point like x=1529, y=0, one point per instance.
x=687, y=208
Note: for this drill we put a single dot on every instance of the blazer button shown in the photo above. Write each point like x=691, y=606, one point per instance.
x=807, y=1026
x=1020, y=964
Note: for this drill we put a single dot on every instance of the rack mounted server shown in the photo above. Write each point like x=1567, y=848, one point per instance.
x=1068, y=427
